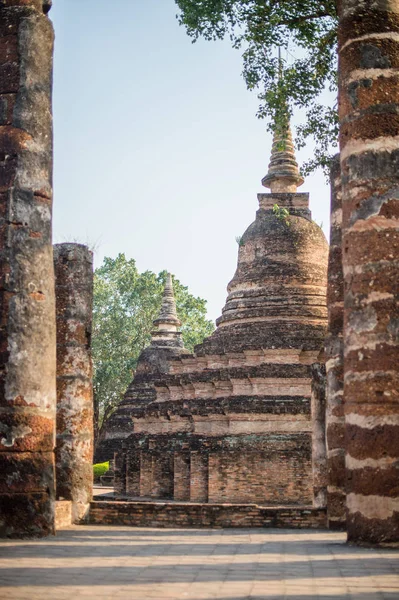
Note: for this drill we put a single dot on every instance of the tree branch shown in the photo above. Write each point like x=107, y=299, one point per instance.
x=299, y=20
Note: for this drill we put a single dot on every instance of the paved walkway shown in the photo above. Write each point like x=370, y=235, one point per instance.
x=231, y=564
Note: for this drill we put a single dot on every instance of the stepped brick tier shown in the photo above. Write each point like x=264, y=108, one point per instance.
x=369, y=154
x=232, y=422
x=335, y=418
x=73, y=265
x=182, y=514
x=27, y=328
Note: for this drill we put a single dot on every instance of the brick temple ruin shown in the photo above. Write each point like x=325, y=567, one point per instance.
x=232, y=422
x=252, y=418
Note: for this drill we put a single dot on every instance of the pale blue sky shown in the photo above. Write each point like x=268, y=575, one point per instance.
x=158, y=152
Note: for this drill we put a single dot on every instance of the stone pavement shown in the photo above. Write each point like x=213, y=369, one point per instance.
x=230, y=564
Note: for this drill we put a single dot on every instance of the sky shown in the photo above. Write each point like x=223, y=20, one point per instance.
x=158, y=151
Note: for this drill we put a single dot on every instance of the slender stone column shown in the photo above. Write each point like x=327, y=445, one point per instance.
x=369, y=144
x=27, y=325
x=334, y=347
x=74, y=447
x=319, y=456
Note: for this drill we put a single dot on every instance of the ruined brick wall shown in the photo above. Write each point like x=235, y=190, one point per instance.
x=270, y=478
x=74, y=443
x=273, y=470
x=27, y=328
x=369, y=151
x=159, y=514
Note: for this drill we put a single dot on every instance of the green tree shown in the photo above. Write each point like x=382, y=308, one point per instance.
x=124, y=306
x=307, y=28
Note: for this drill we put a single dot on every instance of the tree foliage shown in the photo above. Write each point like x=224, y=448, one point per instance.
x=125, y=304
x=307, y=28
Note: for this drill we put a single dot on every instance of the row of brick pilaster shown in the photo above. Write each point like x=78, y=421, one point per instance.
x=181, y=476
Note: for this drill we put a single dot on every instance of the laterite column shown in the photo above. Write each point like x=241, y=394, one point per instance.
x=27, y=325
x=369, y=151
x=74, y=448
x=319, y=457
x=334, y=348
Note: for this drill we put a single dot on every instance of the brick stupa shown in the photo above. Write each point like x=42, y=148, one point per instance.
x=232, y=422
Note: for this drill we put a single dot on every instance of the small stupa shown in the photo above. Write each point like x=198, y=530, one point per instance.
x=166, y=343
x=165, y=332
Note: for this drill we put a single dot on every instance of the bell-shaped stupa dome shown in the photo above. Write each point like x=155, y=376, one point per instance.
x=277, y=297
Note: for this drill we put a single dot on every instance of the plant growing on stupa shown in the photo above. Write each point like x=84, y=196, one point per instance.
x=281, y=214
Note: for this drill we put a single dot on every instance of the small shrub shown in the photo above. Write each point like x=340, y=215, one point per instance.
x=100, y=469
x=281, y=214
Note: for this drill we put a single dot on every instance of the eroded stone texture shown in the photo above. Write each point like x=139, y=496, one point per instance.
x=319, y=451
x=73, y=265
x=27, y=327
x=369, y=144
x=334, y=348
x=232, y=422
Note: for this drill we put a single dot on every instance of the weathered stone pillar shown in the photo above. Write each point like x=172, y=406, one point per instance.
x=319, y=455
x=369, y=144
x=73, y=265
x=27, y=325
x=74, y=445
x=334, y=348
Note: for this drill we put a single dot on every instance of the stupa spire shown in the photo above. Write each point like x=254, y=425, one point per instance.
x=283, y=175
x=166, y=325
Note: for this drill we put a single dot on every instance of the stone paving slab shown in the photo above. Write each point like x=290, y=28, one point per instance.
x=188, y=564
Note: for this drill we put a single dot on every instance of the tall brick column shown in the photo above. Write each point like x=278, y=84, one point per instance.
x=27, y=326
x=319, y=456
x=73, y=265
x=369, y=144
x=334, y=348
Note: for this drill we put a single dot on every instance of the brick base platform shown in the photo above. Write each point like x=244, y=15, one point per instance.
x=183, y=514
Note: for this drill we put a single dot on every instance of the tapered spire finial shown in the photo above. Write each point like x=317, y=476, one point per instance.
x=166, y=325
x=283, y=175
x=167, y=313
